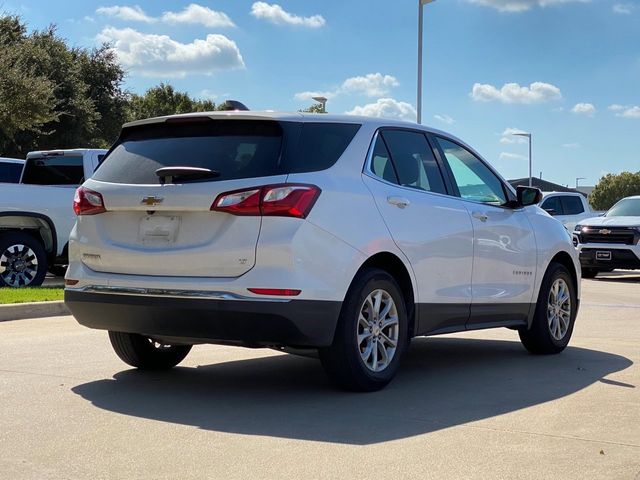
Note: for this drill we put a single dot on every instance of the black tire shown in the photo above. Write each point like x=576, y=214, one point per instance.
x=539, y=339
x=32, y=266
x=58, y=270
x=342, y=361
x=143, y=353
x=590, y=272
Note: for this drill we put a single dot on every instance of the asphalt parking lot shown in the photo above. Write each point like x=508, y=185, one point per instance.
x=472, y=405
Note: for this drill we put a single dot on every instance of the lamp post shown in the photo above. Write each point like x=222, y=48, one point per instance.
x=578, y=179
x=528, y=135
x=421, y=3
x=322, y=101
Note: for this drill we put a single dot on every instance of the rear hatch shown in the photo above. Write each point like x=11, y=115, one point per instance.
x=151, y=228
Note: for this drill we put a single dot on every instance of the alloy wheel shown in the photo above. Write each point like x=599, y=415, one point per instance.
x=559, y=309
x=378, y=330
x=18, y=265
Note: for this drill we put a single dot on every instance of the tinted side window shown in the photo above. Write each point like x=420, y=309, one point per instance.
x=553, y=206
x=381, y=164
x=320, y=146
x=572, y=205
x=61, y=170
x=474, y=179
x=414, y=161
x=10, y=172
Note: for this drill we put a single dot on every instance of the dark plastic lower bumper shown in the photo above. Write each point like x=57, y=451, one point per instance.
x=296, y=323
x=620, y=258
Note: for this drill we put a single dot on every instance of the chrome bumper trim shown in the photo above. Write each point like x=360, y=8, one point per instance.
x=173, y=293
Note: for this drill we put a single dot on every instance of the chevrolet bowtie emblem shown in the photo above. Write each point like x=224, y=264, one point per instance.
x=604, y=231
x=151, y=201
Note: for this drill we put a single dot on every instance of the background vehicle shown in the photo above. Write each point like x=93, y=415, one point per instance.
x=610, y=241
x=36, y=215
x=10, y=170
x=567, y=207
x=344, y=234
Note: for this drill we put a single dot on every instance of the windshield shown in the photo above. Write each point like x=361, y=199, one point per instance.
x=629, y=207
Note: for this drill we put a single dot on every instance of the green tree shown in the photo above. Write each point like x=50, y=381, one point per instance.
x=612, y=188
x=315, y=108
x=56, y=96
x=165, y=100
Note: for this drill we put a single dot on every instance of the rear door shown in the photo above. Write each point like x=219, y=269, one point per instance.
x=169, y=229
x=432, y=229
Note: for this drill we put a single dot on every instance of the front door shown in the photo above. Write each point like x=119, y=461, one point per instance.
x=504, y=259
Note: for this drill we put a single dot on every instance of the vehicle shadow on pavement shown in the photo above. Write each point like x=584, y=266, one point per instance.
x=443, y=382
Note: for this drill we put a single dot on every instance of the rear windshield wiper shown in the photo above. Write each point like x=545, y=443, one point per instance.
x=185, y=174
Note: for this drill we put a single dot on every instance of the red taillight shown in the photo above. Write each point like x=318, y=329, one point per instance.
x=284, y=292
x=285, y=200
x=88, y=202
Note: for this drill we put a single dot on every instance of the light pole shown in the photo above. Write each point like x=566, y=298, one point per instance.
x=528, y=135
x=322, y=101
x=421, y=3
x=578, y=179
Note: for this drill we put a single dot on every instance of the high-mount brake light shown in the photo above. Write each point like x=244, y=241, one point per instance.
x=88, y=202
x=283, y=200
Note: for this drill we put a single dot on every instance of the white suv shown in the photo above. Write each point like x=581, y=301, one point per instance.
x=340, y=234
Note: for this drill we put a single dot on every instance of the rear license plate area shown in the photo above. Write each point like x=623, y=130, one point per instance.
x=158, y=229
x=603, y=256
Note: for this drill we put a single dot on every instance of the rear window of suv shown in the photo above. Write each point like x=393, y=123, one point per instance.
x=53, y=170
x=234, y=148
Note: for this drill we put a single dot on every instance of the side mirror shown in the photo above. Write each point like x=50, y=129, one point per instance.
x=528, y=195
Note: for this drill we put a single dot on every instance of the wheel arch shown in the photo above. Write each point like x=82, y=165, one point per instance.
x=36, y=224
x=392, y=264
x=564, y=259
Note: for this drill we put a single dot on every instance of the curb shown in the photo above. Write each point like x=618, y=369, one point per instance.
x=19, y=311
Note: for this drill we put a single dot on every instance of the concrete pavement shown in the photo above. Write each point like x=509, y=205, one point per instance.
x=471, y=405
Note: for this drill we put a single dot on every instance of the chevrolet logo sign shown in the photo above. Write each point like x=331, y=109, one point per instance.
x=604, y=231
x=151, y=201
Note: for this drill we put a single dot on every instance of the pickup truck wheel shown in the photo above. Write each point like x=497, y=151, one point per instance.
x=555, y=313
x=145, y=353
x=371, y=334
x=23, y=261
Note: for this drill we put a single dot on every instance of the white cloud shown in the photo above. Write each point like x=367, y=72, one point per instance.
x=627, y=111
x=131, y=14
x=571, y=145
x=516, y=6
x=511, y=156
x=197, y=14
x=537, y=92
x=584, y=109
x=386, y=108
x=207, y=94
x=192, y=14
x=160, y=55
x=277, y=15
x=623, y=8
x=508, y=137
x=445, y=119
x=302, y=96
x=371, y=85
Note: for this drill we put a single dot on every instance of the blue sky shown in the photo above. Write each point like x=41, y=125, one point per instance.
x=566, y=70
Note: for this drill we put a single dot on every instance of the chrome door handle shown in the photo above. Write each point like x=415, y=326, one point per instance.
x=399, y=202
x=483, y=217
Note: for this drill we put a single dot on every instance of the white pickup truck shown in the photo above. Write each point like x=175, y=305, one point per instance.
x=568, y=207
x=36, y=215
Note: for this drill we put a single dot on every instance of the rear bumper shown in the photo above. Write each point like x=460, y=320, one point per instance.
x=622, y=258
x=296, y=323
